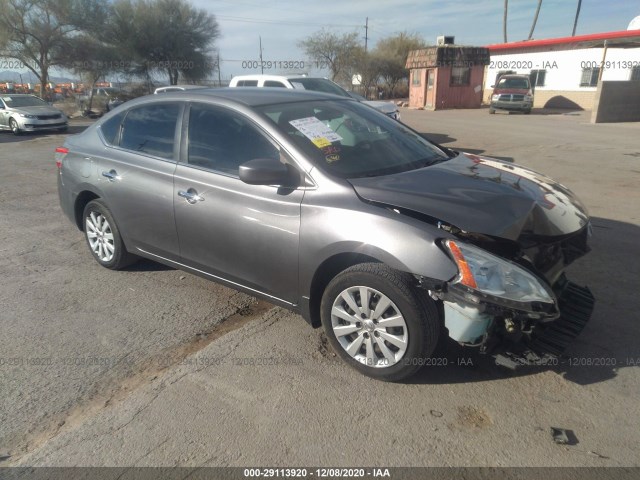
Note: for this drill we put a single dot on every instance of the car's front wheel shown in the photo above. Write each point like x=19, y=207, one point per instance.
x=378, y=322
x=15, y=128
x=103, y=237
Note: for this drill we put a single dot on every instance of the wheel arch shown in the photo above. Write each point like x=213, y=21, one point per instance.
x=82, y=199
x=325, y=272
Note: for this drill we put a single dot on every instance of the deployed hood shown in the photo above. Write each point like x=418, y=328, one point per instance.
x=481, y=195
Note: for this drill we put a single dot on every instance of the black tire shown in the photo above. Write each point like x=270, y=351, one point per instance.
x=417, y=309
x=527, y=112
x=120, y=257
x=491, y=111
x=13, y=125
x=63, y=129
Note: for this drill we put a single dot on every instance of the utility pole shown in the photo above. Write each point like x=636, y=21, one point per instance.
x=261, y=64
x=366, y=34
x=575, y=22
x=218, y=62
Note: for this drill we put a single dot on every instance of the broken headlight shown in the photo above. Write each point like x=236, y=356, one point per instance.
x=492, y=275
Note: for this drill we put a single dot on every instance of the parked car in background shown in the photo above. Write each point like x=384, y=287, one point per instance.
x=176, y=88
x=326, y=207
x=315, y=84
x=513, y=93
x=28, y=113
x=104, y=100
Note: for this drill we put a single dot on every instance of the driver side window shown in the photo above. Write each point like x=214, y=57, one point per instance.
x=221, y=140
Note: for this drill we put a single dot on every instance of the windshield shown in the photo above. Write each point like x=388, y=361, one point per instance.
x=521, y=83
x=351, y=140
x=27, y=101
x=318, y=85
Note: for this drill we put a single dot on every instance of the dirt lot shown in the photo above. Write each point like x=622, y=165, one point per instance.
x=152, y=366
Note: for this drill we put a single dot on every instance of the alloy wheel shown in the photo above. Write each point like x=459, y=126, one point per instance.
x=100, y=236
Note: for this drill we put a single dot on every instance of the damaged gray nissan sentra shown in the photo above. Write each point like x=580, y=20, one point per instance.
x=329, y=208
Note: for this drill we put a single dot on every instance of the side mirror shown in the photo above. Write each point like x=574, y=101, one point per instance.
x=267, y=171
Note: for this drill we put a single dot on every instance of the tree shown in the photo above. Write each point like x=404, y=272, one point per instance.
x=391, y=57
x=338, y=52
x=38, y=32
x=535, y=19
x=168, y=36
x=575, y=22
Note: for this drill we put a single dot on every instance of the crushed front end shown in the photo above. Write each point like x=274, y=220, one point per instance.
x=512, y=299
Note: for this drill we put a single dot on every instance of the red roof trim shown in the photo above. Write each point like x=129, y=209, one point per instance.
x=630, y=34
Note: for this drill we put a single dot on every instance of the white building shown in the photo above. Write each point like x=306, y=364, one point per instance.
x=565, y=71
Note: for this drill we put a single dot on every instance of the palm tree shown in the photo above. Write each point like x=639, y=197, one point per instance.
x=504, y=20
x=535, y=20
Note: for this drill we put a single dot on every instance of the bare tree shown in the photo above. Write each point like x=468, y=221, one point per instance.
x=338, y=52
x=504, y=20
x=535, y=20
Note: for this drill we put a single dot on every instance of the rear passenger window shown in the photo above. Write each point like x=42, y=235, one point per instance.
x=111, y=129
x=273, y=83
x=151, y=129
x=248, y=83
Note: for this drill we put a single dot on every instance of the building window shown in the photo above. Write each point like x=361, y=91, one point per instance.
x=635, y=73
x=537, y=78
x=415, y=77
x=589, y=77
x=460, y=75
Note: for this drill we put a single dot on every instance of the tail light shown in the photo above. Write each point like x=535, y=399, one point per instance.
x=61, y=152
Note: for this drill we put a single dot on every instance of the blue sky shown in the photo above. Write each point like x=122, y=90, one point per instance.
x=283, y=23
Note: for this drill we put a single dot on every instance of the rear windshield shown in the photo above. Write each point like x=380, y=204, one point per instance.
x=351, y=140
x=521, y=83
x=318, y=85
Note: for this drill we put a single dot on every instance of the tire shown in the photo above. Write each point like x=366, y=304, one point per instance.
x=491, y=111
x=13, y=125
x=527, y=112
x=63, y=129
x=361, y=341
x=104, y=240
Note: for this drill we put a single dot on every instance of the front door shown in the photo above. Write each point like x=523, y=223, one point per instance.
x=245, y=234
x=430, y=94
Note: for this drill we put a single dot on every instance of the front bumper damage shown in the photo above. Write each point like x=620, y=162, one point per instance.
x=517, y=335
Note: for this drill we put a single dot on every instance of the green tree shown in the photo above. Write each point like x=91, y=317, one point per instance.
x=340, y=52
x=38, y=32
x=391, y=57
x=168, y=36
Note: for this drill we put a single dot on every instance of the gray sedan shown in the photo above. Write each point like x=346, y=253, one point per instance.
x=329, y=208
x=28, y=113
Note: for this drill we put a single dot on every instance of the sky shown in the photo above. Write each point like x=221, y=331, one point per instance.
x=283, y=23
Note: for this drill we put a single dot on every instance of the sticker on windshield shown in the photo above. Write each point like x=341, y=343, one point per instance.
x=316, y=131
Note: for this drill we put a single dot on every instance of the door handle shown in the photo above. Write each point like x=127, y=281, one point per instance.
x=112, y=175
x=191, y=196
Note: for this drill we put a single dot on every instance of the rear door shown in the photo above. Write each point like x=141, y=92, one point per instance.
x=136, y=175
x=245, y=234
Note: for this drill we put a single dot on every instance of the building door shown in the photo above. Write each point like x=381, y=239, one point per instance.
x=430, y=95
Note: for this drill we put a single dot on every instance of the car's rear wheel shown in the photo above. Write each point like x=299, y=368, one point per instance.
x=378, y=322
x=492, y=111
x=103, y=237
x=13, y=125
x=527, y=112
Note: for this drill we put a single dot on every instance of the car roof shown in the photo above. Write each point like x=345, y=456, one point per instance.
x=251, y=96
x=263, y=76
